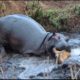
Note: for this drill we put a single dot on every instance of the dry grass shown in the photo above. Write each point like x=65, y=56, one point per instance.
x=74, y=71
x=2, y=72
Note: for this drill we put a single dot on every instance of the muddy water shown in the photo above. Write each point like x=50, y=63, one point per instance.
x=74, y=43
x=24, y=67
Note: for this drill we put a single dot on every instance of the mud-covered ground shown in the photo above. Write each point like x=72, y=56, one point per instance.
x=16, y=66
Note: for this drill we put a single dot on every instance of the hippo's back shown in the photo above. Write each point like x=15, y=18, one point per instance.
x=25, y=28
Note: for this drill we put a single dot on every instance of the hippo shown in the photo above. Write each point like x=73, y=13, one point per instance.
x=22, y=34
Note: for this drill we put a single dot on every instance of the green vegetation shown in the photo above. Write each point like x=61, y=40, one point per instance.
x=2, y=9
x=77, y=10
x=56, y=17
x=35, y=10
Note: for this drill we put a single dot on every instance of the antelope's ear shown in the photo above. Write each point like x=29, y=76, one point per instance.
x=56, y=52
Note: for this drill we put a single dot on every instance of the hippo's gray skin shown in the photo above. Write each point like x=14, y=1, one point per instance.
x=23, y=34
